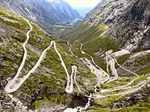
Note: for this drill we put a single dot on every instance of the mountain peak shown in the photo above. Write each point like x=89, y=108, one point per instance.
x=45, y=12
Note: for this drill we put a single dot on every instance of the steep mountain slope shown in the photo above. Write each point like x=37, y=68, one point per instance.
x=96, y=71
x=45, y=12
x=114, y=24
x=47, y=82
x=117, y=25
x=127, y=19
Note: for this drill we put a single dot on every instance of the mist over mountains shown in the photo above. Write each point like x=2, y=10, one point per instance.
x=44, y=12
x=85, y=6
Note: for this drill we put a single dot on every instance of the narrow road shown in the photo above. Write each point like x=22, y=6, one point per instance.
x=124, y=86
x=71, y=110
x=122, y=93
x=106, y=76
x=70, y=49
x=11, y=82
x=120, y=53
x=101, y=75
x=25, y=50
x=111, y=62
x=140, y=54
x=119, y=87
x=81, y=49
x=75, y=81
x=15, y=83
x=70, y=83
x=125, y=89
x=70, y=79
x=62, y=63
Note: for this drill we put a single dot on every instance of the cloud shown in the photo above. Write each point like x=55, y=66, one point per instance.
x=83, y=3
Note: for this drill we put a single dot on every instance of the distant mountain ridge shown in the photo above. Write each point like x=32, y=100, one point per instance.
x=45, y=12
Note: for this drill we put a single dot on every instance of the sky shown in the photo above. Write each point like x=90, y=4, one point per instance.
x=83, y=3
x=83, y=6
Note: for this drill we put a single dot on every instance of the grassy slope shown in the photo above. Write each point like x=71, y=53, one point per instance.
x=93, y=42
x=90, y=37
x=50, y=74
x=49, y=80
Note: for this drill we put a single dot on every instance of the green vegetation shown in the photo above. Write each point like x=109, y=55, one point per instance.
x=120, y=82
x=48, y=82
x=122, y=59
x=103, y=27
x=50, y=73
x=38, y=39
x=39, y=103
x=144, y=70
x=140, y=107
x=85, y=32
x=107, y=102
x=101, y=43
x=98, y=109
x=143, y=60
x=11, y=56
x=12, y=19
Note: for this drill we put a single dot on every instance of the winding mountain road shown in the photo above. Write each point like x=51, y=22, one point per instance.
x=25, y=50
x=70, y=79
x=111, y=62
x=102, y=76
x=15, y=83
x=70, y=49
x=11, y=83
x=130, y=90
x=70, y=83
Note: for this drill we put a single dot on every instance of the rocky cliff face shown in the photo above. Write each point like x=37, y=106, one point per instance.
x=115, y=24
x=128, y=20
